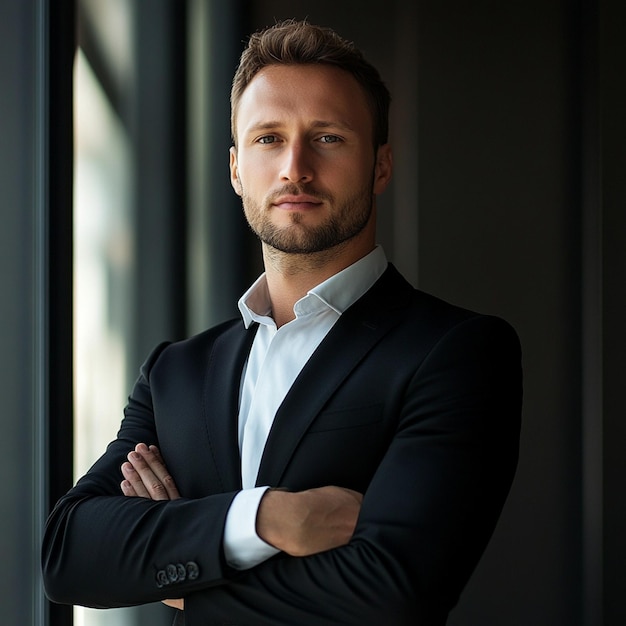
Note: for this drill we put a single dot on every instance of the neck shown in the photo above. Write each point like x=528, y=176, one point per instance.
x=291, y=276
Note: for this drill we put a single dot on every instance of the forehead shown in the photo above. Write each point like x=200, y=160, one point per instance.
x=290, y=93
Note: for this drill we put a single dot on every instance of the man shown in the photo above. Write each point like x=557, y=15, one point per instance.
x=341, y=456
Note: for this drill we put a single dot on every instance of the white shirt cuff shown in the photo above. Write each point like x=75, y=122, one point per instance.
x=243, y=548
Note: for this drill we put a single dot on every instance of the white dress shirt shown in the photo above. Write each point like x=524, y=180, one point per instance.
x=276, y=358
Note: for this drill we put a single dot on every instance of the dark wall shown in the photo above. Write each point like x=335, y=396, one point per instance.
x=611, y=202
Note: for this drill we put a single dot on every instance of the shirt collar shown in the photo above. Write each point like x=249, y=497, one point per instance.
x=338, y=292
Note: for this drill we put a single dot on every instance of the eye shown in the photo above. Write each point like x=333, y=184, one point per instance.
x=329, y=139
x=267, y=139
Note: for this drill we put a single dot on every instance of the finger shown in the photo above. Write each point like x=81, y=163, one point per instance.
x=128, y=489
x=149, y=483
x=164, y=475
x=152, y=456
x=135, y=485
x=157, y=453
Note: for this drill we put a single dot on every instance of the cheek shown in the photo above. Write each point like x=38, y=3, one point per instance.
x=254, y=175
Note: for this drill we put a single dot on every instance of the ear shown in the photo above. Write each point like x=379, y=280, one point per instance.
x=234, y=171
x=382, y=168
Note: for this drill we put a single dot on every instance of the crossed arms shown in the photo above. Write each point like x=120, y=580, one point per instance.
x=297, y=523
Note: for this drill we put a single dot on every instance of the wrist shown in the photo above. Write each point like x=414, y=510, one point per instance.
x=274, y=510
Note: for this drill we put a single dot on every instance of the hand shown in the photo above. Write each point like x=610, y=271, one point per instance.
x=175, y=604
x=146, y=475
x=307, y=522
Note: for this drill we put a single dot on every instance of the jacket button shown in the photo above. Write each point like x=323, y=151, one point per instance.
x=172, y=573
x=181, y=571
x=161, y=579
x=193, y=571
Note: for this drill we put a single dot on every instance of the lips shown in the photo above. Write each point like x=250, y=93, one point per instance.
x=300, y=202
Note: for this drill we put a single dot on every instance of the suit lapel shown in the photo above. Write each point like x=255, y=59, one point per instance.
x=358, y=330
x=221, y=401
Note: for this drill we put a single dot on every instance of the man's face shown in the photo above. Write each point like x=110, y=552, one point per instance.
x=304, y=164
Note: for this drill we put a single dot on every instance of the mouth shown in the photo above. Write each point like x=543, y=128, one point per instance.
x=297, y=203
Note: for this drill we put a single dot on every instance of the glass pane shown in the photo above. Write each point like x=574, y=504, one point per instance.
x=103, y=257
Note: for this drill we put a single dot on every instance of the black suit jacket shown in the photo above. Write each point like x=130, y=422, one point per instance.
x=412, y=401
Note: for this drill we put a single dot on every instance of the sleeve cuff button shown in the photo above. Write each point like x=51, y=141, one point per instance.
x=193, y=571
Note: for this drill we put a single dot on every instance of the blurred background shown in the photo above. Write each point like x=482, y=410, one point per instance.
x=119, y=228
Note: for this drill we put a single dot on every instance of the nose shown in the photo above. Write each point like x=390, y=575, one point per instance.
x=297, y=166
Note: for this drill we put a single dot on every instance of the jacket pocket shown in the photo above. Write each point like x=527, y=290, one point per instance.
x=352, y=417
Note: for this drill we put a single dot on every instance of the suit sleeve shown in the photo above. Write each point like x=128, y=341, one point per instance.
x=428, y=513
x=102, y=549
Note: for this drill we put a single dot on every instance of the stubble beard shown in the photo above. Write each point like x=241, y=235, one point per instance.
x=346, y=222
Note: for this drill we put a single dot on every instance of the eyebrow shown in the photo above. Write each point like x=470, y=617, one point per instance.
x=341, y=125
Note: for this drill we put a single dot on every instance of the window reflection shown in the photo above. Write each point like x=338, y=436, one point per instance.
x=102, y=269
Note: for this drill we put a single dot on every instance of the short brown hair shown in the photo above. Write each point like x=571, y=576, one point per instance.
x=294, y=42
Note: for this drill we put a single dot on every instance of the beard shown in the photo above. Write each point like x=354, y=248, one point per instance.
x=348, y=219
